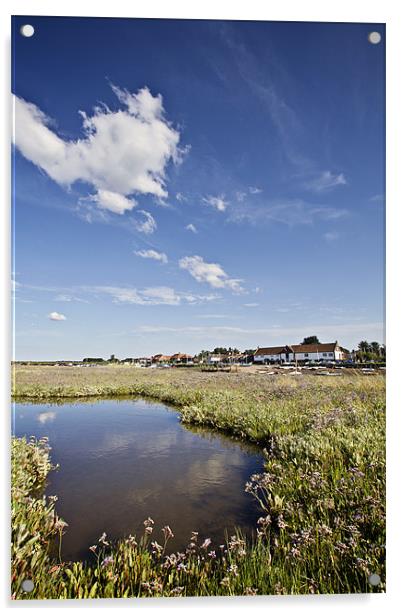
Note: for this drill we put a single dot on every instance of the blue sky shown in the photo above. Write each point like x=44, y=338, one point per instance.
x=181, y=185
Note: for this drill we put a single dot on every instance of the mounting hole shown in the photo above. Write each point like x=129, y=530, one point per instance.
x=27, y=30
x=374, y=38
x=374, y=579
x=27, y=585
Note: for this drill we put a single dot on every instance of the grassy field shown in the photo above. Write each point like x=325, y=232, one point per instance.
x=322, y=495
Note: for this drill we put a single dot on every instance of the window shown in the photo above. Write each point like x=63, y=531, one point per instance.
x=324, y=354
x=330, y=354
x=305, y=354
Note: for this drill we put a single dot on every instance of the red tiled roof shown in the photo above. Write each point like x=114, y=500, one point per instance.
x=270, y=350
x=298, y=348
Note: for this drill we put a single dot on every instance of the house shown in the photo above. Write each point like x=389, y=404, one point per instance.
x=142, y=362
x=330, y=351
x=161, y=359
x=181, y=358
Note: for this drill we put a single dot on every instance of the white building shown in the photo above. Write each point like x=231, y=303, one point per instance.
x=330, y=351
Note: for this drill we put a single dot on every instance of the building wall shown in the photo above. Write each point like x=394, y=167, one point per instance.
x=314, y=356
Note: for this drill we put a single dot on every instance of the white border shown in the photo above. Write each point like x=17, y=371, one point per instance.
x=286, y=10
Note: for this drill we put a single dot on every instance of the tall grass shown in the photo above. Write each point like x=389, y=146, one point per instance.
x=322, y=523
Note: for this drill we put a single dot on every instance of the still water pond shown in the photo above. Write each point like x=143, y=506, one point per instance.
x=124, y=460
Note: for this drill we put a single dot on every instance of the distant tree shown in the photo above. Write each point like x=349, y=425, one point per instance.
x=249, y=352
x=363, y=346
x=93, y=360
x=375, y=348
x=311, y=340
x=220, y=351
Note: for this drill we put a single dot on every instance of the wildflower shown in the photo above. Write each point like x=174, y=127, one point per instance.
x=132, y=541
x=177, y=591
x=148, y=522
x=341, y=547
x=102, y=539
x=206, y=543
x=157, y=549
x=107, y=561
x=194, y=536
x=167, y=532
x=181, y=567
x=60, y=524
x=93, y=548
x=233, y=569
x=225, y=581
x=212, y=554
x=280, y=521
x=264, y=521
x=250, y=591
x=148, y=530
x=294, y=553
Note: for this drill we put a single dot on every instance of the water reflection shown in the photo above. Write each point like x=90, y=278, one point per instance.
x=124, y=460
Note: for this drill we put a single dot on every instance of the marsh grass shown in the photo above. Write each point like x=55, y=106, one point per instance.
x=322, y=523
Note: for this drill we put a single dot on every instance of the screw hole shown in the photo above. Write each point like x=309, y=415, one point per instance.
x=374, y=38
x=27, y=30
x=27, y=585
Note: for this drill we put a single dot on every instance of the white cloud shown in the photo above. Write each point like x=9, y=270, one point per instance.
x=251, y=305
x=56, y=316
x=121, y=153
x=211, y=273
x=218, y=203
x=254, y=190
x=192, y=228
x=152, y=254
x=331, y=236
x=114, y=202
x=180, y=197
x=146, y=226
x=326, y=181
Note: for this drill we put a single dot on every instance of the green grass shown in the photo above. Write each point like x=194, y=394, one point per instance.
x=322, y=525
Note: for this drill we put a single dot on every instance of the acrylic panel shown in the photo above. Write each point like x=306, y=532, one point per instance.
x=198, y=261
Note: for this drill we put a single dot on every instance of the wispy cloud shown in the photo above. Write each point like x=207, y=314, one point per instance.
x=377, y=198
x=121, y=153
x=290, y=212
x=192, y=228
x=325, y=182
x=151, y=296
x=254, y=190
x=57, y=316
x=218, y=203
x=211, y=273
x=147, y=225
x=152, y=254
x=331, y=236
x=158, y=295
x=67, y=297
x=264, y=336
